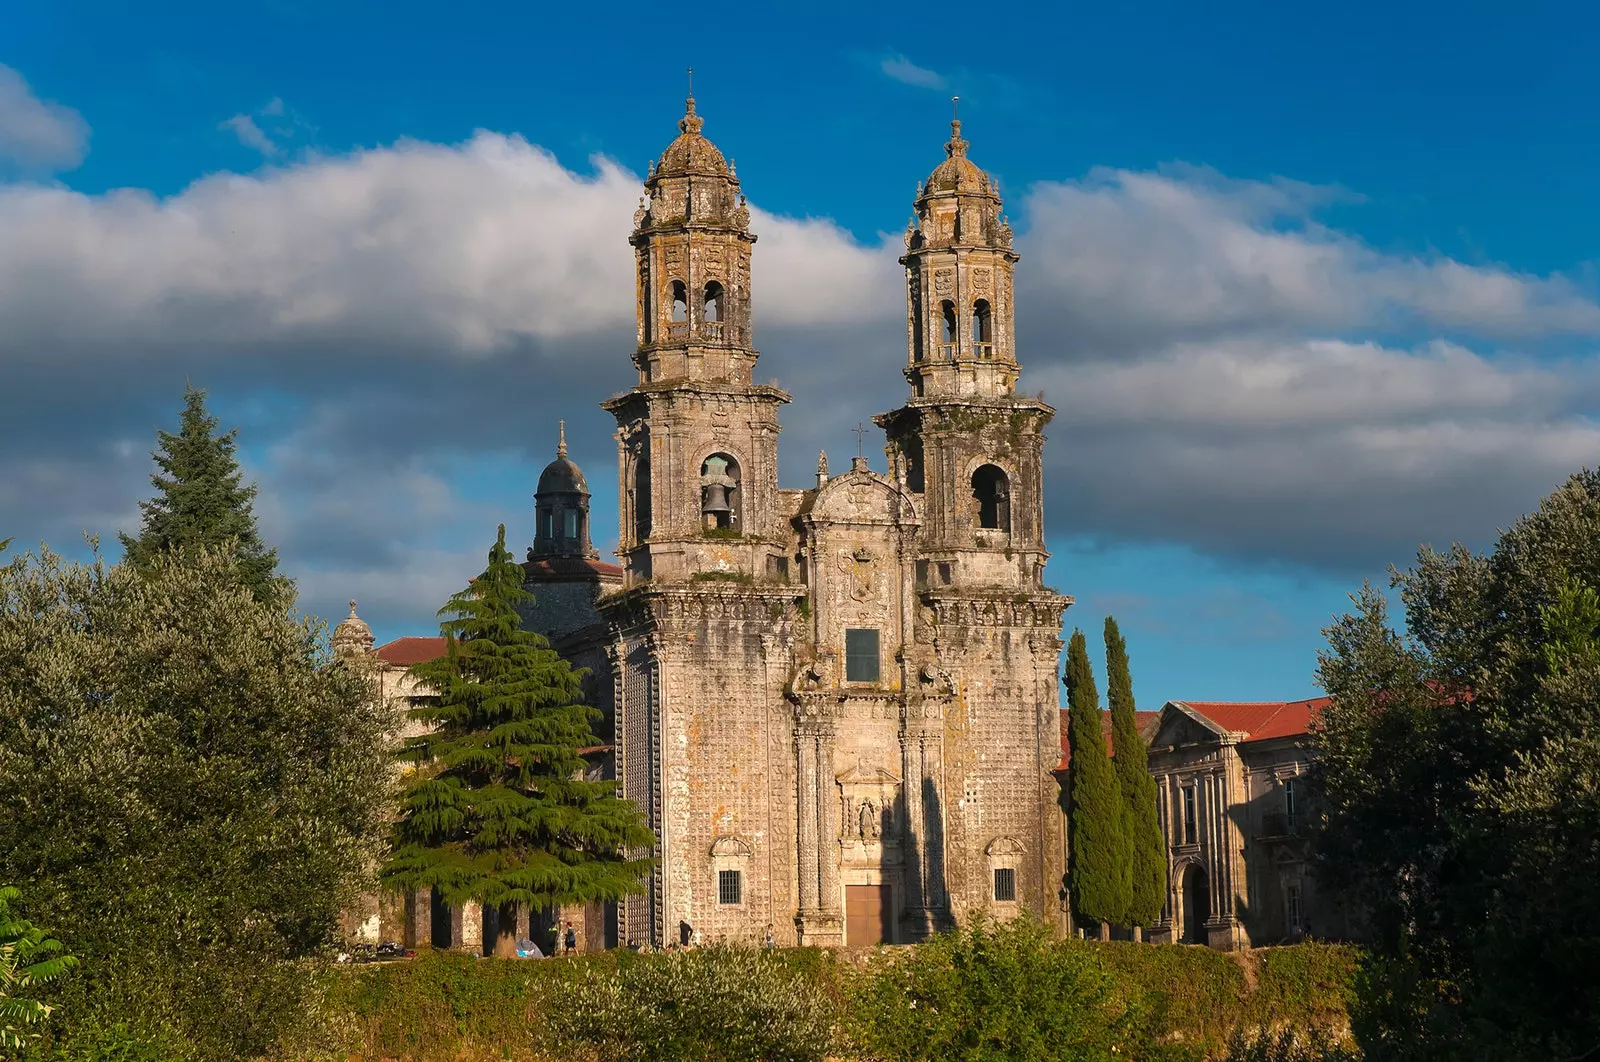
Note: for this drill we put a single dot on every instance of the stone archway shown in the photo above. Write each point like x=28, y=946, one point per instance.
x=1196, y=903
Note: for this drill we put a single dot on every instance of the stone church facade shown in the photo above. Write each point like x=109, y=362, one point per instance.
x=836, y=705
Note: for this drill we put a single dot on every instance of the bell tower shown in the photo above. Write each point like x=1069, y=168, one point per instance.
x=697, y=438
x=965, y=440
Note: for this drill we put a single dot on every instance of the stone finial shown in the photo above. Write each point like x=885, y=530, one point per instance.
x=561, y=445
x=822, y=468
x=690, y=122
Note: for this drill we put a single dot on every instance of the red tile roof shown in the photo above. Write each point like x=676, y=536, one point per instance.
x=557, y=567
x=1263, y=720
x=1145, y=721
x=403, y=652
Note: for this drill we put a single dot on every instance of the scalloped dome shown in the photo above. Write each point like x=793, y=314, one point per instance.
x=957, y=173
x=352, y=634
x=691, y=152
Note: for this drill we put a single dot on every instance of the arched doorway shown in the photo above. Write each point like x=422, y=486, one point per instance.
x=1196, y=904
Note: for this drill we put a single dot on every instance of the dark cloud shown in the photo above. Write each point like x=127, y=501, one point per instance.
x=397, y=331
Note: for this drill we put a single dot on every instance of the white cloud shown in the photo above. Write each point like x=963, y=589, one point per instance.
x=385, y=322
x=249, y=133
x=37, y=135
x=1134, y=260
x=898, y=68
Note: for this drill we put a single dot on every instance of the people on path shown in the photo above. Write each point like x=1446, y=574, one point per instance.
x=570, y=940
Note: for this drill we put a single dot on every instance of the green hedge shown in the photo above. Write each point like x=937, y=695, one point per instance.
x=451, y=1008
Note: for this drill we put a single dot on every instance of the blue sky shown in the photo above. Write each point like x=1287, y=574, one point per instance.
x=1309, y=286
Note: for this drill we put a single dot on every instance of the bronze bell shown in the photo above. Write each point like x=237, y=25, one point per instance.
x=716, y=500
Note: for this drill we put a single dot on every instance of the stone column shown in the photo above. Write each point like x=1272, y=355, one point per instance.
x=828, y=852
x=806, y=802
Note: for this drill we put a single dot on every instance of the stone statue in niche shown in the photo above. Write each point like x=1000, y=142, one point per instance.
x=868, y=821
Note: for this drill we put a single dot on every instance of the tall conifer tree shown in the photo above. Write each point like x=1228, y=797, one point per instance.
x=499, y=811
x=201, y=502
x=1146, y=849
x=1097, y=864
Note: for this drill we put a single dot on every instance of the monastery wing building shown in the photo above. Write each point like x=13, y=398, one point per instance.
x=837, y=706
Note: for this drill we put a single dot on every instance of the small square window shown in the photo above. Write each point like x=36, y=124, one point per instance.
x=730, y=886
x=861, y=655
x=1005, y=884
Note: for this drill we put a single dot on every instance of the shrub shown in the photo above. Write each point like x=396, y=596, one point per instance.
x=727, y=1003
x=1287, y=1045
x=997, y=992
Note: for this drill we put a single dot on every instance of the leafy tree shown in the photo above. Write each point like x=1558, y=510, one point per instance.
x=1097, y=856
x=1147, y=852
x=191, y=785
x=28, y=959
x=500, y=812
x=201, y=501
x=1460, y=763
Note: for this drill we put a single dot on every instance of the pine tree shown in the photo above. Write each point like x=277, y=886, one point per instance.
x=201, y=503
x=1097, y=864
x=1147, y=864
x=499, y=812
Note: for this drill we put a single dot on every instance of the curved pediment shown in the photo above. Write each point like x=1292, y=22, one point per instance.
x=730, y=845
x=863, y=497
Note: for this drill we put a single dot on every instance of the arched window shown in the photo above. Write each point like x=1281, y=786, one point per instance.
x=713, y=310
x=982, y=329
x=948, y=308
x=641, y=500
x=992, y=490
x=720, y=494
x=680, y=302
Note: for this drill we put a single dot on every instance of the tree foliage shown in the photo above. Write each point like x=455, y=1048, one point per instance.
x=28, y=960
x=201, y=502
x=189, y=784
x=1147, y=848
x=499, y=811
x=1098, y=863
x=1460, y=763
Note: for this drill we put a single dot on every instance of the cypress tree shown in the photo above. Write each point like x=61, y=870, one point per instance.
x=200, y=502
x=1097, y=864
x=499, y=812
x=1147, y=862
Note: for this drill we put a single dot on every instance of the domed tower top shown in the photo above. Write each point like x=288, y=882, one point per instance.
x=691, y=238
x=691, y=152
x=352, y=637
x=958, y=268
x=959, y=204
x=561, y=508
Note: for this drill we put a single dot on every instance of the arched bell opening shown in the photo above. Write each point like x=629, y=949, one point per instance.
x=721, y=497
x=947, y=344
x=991, y=488
x=982, y=329
x=680, y=302
x=641, y=500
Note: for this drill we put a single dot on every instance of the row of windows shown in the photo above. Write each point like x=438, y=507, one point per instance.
x=730, y=886
x=721, y=496
x=1190, y=823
